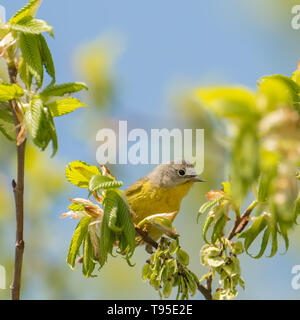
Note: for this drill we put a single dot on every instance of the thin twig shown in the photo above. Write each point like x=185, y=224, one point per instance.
x=145, y=237
x=241, y=223
x=18, y=189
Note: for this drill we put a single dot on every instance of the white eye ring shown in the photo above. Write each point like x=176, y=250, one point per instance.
x=181, y=172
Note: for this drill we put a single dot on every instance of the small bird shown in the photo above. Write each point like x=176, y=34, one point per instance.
x=161, y=191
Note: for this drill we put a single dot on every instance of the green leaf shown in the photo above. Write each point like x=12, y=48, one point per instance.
x=76, y=207
x=110, y=206
x=183, y=257
x=46, y=57
x=78, y=236
x=63, y=106
x=207, y=205
x=30, y=48
x=284, y=234
x=146, y=271
x=235, y=103
x=265, y=181
x=218, y=228
x=264, y=243
x=107, y=239
x=9, y=91
x=30, y=25
x=63, y=89
x=28, y=10
x=256, y=228
x=98, y=182
x=273, y=229
x=37, y=123
x=80, y=173
x=25, y=73
x=167, y=289
x=7, y=126
x=245, y=162
x=207, y=223
x=88, y=265
x=125, y=220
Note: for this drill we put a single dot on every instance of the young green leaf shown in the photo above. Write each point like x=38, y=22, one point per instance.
x=256, y=228
x=25, y=73
x=125, y=219
x=30, y=48
x=207, y=223
x=110, y=206
x=78, y=236
x=63, y=106
x=46, y=57
x=30, y=25
x=207, y=205
x=80, y=173
x=37, y=123
x=62, y=89
x=7, y=126
x=218, y=228
x=28, y=10
x=98, y=182
x=88, y=264
x=9, y=91
x=264, y=243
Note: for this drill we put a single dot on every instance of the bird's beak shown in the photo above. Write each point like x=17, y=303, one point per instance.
x=197, y=179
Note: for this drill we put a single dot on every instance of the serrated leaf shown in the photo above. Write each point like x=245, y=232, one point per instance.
x=107, y=239
x=63, y=89
x=63, y=106
x=37, y=123
x=30, y=48
x=30, y=25
x=9, y=91
x=7, y=126
x=79, y=173
x=24, y=73
x=28, y=10
x=98, y=182
x=47, y=57
x=125, y=220
x=110, y=206
x=78, y=236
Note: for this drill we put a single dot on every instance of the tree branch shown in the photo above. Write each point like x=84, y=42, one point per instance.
x=18, y=189
x=241, y=223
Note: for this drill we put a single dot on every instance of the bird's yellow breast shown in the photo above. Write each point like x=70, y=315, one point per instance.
x=146, y=198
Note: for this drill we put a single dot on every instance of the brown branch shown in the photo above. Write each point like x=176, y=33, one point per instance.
x=242, y=222
x=206, y=291
x=18, y=189
x=145, y=237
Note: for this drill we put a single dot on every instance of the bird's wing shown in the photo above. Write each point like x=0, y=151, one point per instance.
x=136, y=187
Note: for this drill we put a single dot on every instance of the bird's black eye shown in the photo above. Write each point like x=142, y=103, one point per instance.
x=181, y=172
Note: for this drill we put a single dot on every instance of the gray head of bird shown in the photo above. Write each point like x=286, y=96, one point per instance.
x=174, y=173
